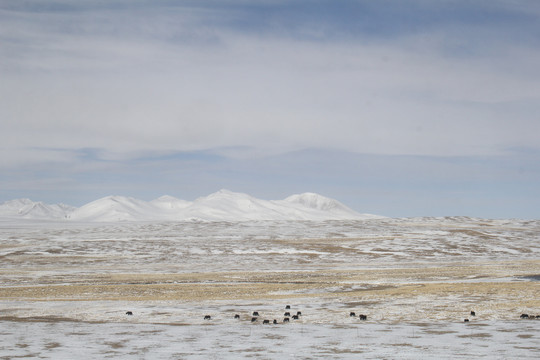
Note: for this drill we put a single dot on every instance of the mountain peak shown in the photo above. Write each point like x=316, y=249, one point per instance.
x=225, y=193
x=28, y=209
x=223, y=205
x=316, y=201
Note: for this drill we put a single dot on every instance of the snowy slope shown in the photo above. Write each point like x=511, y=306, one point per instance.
x=15, y=207
x=223, y=205
x=230, y=206
x=316, y=201
x=167, y=202
x=28, y=209
x=116, y=208
x=320, y=205
x=226, y=205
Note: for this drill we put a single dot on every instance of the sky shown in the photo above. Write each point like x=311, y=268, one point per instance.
x=397, y=108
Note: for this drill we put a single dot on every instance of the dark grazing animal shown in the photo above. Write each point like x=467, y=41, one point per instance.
x=129, y=313
x=524, y=316
x=285, y=320
x=466, y=320
x=295, y=317
x=287, y=314
x=207, y=317
x=237, y=316
x=473, y=313
x=298, y=313
x=287, y=307
x=362, y=317
x=255, y=313
x=266, y=321
x=352, y=314
x=253, y=319
x=275, y=321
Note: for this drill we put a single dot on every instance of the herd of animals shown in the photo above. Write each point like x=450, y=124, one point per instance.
x=287, y=316
x=522, y=316
x=255, y=316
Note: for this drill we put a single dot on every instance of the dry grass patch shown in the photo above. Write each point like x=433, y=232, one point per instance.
x=476, y=335
x=52, y=345
x=410, y=293
x=115, y=344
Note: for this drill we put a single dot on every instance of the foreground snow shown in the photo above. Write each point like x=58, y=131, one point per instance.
x=62, y=340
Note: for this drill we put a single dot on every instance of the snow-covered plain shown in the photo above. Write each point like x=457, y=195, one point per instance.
x=67, y=285
x=65, y=340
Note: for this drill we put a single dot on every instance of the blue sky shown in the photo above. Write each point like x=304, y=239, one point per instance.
x=400, y=108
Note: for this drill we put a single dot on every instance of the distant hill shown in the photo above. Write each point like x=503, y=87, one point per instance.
x=28, y=209
x=223, y=205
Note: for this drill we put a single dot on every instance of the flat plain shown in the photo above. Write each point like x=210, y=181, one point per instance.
x=416, y=279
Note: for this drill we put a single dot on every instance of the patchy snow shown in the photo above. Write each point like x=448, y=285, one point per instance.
x=416, y=280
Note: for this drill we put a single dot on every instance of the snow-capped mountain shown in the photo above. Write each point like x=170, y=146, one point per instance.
x=115, y=208
x=223, y=205
x=28, y=209
x=170, y=202
x=318, y=202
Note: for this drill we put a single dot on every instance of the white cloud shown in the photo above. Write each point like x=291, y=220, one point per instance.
x=14, y=157
x=151, y=84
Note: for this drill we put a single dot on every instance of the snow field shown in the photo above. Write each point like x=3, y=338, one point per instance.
x=61, y=340
x=66, y=286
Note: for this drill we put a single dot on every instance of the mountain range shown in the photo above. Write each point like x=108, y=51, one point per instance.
x=223, y=205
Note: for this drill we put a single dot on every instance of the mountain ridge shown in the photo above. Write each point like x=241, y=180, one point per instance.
x=223, y=205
